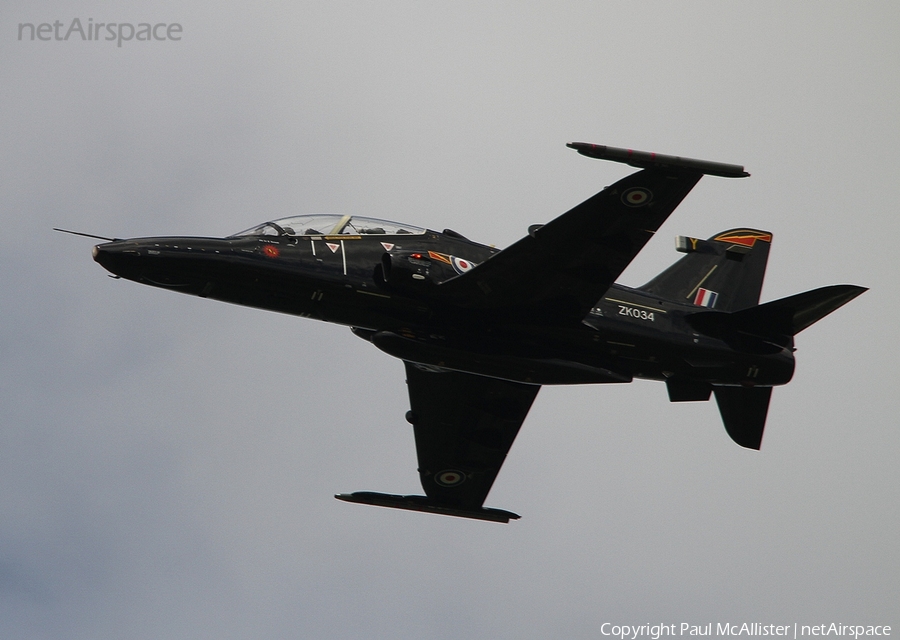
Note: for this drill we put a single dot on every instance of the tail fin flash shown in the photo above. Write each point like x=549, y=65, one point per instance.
x=744, y=413
x=724, y=272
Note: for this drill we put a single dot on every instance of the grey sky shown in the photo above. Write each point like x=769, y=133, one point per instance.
x=167, y=464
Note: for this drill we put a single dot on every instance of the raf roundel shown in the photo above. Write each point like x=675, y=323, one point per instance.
x=450, y=478
x=460, y=265
x=637, y=197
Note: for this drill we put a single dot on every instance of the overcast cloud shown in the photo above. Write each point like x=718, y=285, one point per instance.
x=167, y=463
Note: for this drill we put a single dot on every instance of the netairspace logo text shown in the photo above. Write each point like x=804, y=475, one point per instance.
x=117, y=32
x=748, y=629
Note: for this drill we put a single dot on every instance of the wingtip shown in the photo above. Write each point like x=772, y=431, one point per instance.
x=647, y=159
x=426, y=505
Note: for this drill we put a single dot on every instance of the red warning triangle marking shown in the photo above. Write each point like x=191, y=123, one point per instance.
x=334, y=247
x=387, y=246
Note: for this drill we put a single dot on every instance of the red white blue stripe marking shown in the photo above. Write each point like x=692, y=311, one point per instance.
x=706, y=298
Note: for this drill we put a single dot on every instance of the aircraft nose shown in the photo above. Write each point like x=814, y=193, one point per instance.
x=103, y=253
x=116, y=257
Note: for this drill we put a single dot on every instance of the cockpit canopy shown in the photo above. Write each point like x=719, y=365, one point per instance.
x=330, y=224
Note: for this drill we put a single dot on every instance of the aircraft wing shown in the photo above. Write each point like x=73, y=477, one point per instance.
x=464, y=425
x=562, y=268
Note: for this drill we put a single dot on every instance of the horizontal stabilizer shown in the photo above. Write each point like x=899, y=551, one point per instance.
x=647, y=160
x=777, y=322
x=744, y=412
x=424, y=504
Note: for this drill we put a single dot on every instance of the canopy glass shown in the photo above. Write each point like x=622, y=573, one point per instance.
x=329, y=224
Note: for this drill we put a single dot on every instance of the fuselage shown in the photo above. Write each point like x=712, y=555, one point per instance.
x=384, y=282
x=481, y=330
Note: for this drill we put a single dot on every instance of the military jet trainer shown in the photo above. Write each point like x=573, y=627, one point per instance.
x=480, y=330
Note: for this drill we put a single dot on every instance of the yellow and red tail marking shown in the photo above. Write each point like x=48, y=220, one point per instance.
x=744, y=237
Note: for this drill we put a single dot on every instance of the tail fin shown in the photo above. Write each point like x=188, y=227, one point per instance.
x=725, y=272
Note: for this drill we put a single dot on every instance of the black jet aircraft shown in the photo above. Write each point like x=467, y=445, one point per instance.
x=480, y=330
